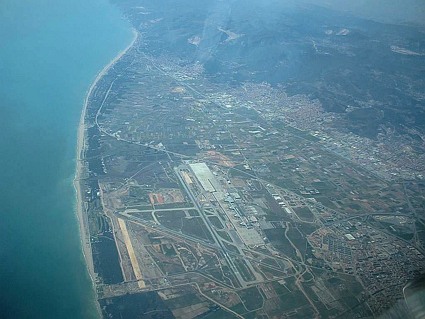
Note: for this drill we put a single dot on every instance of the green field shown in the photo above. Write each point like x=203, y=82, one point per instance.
x=297, y=239
x=224, y=235
x=215, y=221
x=304, y=213
x=278, y=239
x=197, y=228
x=251, y=298
x=244, y=270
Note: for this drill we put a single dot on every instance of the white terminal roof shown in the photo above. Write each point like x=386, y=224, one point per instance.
x=349, y=237
x=205, y=177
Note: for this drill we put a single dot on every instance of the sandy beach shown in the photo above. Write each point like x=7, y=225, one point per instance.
x=79, y=173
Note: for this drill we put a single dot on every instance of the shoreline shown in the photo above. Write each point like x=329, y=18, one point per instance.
x=81, y=216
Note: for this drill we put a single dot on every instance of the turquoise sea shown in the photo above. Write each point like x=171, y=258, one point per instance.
x=50, y=51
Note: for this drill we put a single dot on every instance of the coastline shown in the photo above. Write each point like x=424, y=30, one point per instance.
x=80, y=147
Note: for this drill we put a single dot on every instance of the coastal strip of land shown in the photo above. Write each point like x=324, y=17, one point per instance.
x=79, y=173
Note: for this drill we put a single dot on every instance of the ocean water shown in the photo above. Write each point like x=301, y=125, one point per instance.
x=50, y=51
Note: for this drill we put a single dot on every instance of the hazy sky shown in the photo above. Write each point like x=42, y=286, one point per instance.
x=392, y=11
